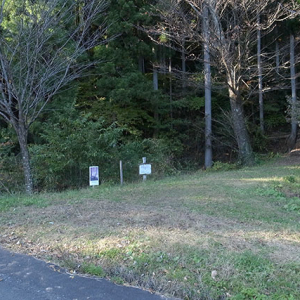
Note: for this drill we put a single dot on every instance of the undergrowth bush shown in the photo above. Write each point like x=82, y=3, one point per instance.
x=72, y=143
x=11, y=173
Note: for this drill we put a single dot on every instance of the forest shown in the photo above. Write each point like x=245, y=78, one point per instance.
x=185, y=83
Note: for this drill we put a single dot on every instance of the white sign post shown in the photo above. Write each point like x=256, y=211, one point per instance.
x=121, y=172
x=145, y=169
x=94, y=175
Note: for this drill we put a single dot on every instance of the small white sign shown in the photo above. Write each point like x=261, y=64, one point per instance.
x=145, y=169
x=94, y=175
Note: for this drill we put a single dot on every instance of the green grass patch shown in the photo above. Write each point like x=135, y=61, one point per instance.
x=92, y=270
x=13, y=201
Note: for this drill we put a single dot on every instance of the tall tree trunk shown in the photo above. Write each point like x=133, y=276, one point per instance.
x=171, y=91
x=207, y=78
x=183, y=66
x=22, y=138
x=155, y=79
x=293, y=135
x=260, y=80
x=246, y=156
x=155, y=87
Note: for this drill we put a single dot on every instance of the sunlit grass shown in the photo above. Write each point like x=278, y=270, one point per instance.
x=268, y=179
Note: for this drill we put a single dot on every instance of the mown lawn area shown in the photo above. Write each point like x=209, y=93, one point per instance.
x=208, y=235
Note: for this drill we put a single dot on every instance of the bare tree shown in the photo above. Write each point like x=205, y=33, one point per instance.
x=42, y=48
x=260, y=78
x=233, y=36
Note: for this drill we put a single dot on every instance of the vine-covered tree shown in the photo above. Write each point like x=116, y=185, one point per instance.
x=42, y=49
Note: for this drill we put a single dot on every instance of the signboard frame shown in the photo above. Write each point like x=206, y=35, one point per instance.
x=94, y=175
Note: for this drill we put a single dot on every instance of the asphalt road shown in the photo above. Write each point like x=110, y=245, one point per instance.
x=23, y=277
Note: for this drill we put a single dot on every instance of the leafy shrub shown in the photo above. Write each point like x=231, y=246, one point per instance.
x=72, y=143
x=11, y=174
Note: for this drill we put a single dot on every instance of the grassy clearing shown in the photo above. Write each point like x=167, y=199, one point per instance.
x=210, y=235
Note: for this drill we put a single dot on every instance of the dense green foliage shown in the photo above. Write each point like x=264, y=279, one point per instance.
x=71, y=143
x=114, y=113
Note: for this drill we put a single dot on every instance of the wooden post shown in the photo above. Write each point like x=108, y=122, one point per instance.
x=144, y=169
x=144, y=176
x=121, y=172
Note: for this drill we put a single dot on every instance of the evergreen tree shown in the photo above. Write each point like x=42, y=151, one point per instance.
x=123, y=93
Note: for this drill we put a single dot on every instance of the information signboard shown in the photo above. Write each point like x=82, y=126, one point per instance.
x=94, y=175
x=145, y=169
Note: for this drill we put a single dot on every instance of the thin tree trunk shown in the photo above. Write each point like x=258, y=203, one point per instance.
x=155, y=87
x=293, y=136
x=141, y=65
x=207, y=78
x=171, y=91
x=22, y=138
x=155, y=79
x=260, y=80
x=183, y=66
